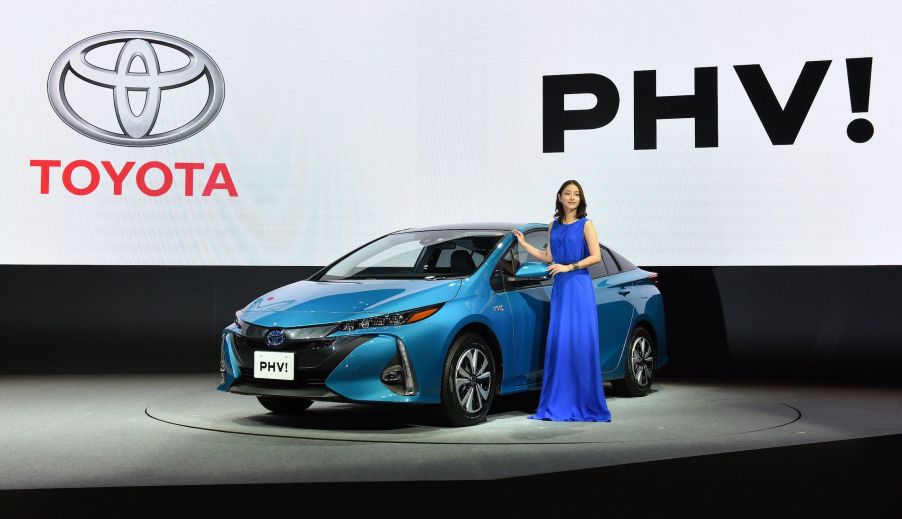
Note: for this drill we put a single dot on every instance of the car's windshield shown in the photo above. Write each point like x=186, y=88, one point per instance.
x=418, y=255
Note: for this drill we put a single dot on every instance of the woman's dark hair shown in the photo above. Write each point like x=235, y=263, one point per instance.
x=559, y=207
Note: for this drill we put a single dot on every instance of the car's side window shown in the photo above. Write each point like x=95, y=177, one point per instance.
x=608, y=260
x=538, y=239
x=507, y=263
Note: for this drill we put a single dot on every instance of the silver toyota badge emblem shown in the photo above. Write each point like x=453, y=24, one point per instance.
x=275, y=338
x=136, y=129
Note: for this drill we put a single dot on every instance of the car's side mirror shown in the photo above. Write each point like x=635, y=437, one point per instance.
x=532, y=270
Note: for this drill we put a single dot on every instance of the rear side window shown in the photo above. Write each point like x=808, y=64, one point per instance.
x=624, y=263
x=608, y=260
x=597, y=270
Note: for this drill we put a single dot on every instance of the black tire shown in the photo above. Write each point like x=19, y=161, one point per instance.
x=285, y=404
x=468, y=403
x=639, y=372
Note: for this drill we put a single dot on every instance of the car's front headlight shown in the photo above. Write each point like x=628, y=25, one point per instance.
x=394, y=319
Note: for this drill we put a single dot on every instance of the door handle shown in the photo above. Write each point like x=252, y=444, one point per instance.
x=623, y=292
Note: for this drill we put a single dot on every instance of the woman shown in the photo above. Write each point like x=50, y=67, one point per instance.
x=571, y=386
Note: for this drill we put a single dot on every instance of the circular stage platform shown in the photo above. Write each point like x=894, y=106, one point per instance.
x=671, y=412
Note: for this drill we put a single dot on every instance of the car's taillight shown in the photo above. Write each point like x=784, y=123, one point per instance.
x=653, y=276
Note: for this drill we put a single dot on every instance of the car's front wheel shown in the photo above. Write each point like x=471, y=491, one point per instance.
x=640, y=365
x=284, y=404
x=468, y=381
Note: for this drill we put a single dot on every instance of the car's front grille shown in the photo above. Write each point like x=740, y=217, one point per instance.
x=307, y=354
x=314, y=359
x=260, y=344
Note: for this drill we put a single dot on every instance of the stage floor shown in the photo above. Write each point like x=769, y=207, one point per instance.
x=145, y=430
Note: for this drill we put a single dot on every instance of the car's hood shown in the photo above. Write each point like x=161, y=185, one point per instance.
x=308, y=303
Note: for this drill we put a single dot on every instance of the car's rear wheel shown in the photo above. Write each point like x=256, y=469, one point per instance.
x=468, y=381
x=640, y=365
x=285, y=404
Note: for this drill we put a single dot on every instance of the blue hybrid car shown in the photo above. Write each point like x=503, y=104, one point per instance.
x=448, y=316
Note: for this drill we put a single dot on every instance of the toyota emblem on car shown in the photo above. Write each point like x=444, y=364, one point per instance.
x=275, y=338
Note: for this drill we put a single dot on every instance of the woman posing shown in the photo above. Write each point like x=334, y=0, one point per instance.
x=571, y=382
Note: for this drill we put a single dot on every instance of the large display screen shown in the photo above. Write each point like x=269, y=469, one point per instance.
x=288, y=133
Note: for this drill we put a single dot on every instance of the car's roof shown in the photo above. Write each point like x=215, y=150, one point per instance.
x=481, y=226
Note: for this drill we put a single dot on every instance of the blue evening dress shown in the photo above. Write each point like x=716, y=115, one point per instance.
x=571, y=382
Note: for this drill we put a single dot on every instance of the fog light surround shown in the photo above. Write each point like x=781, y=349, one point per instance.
x=398, y=374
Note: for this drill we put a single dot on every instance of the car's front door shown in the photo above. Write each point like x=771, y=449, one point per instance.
x=529, y=301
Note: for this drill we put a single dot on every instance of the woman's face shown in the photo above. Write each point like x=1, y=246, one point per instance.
x=569, y=197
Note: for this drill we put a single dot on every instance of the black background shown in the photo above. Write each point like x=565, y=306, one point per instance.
x=792, y=322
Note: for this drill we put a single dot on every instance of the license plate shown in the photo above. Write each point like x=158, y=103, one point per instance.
x=275, y=365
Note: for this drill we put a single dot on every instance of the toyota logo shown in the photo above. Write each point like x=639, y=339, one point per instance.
x=275, y=338
x=137, y=45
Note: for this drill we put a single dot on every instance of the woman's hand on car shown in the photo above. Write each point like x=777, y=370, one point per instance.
x=519, y=235
x=557, y=268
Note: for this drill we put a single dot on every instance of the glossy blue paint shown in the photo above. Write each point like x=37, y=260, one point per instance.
x=532, y=269
x=307, y=303
x=357, y=377
x=514, y=320
x=228, y=363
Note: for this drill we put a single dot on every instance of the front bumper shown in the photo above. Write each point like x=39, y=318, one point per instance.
x=341, y=368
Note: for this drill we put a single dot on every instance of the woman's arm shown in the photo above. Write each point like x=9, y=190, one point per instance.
x=544, y=255
x=548, y=257
x=594, y=250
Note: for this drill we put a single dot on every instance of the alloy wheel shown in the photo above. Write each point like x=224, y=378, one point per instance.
x=642, y=361
x=472, y=380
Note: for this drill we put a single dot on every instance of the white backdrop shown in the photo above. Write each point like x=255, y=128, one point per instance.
x=346, y=120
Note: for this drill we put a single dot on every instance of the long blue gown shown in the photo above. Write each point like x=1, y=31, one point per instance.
x=571, y=382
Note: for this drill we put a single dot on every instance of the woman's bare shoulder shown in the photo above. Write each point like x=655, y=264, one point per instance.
x=589, y=231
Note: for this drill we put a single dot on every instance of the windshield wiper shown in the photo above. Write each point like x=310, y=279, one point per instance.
x=429, y=277
x=383, y=276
